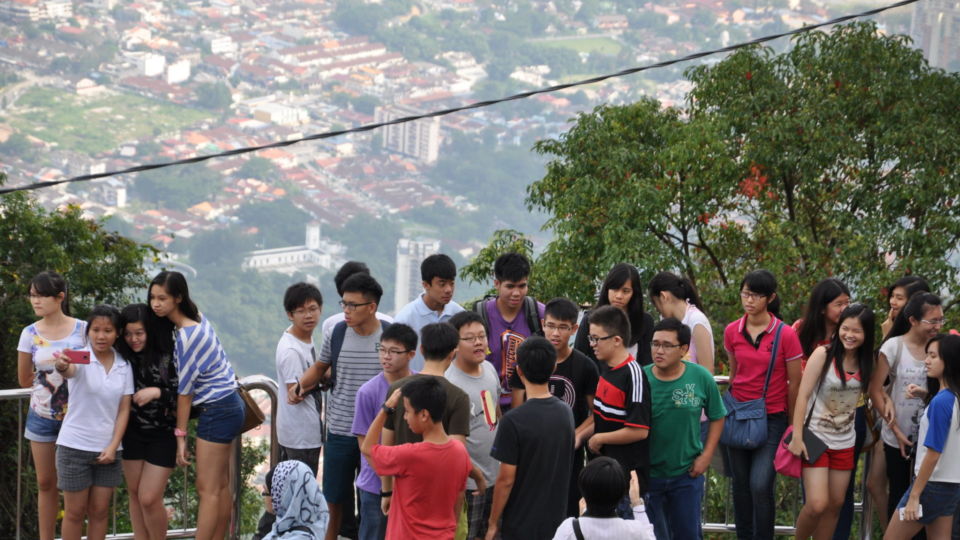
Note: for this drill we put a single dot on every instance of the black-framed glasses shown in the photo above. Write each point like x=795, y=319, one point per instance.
x=350, y=306
x=654, y=345
x=749, y=295
x=394, y=352
x=550, y=327
x=597, y=339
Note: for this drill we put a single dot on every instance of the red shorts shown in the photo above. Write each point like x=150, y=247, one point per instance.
x=837, y=460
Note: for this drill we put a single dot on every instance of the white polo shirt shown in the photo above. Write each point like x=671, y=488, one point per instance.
x=417, y=314
x=93, y=403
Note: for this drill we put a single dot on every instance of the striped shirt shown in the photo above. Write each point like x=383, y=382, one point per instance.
x=358, y=362
x=202, y=365
x=623, y=400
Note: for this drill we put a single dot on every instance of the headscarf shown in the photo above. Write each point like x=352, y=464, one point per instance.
x=297, y=502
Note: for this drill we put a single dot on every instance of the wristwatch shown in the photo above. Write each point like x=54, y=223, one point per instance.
x=388, y=410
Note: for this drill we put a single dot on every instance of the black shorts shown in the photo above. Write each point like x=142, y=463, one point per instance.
x=155, y=447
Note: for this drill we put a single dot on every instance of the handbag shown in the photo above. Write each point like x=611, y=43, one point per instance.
x=787, y=464
x=252, y=415
x=746, y=423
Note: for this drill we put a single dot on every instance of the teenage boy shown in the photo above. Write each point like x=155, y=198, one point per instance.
x=352, y=354
x=348, y=269
x=438, y=274
x=298, y=425
x=574, y=382
x=430, y=475
x=534, y=445
x=438, y=344
x=621, y=406
x=397, y=343
x=679, y=392
x=510, y=317
x=472, y=373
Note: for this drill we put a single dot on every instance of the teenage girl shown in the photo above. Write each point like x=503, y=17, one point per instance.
x=208, y=384
x=56, y=330
x=822, y=315
x=676, y=297
x=901, y=359
x=88, y=446
x=149, y=447
x=622, y=289
x=934, y=496
x=897, y=296
x=836, y=377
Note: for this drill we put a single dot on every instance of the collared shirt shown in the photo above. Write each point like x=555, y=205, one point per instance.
x=417, y=314
x=95, y=396
x=753, y=359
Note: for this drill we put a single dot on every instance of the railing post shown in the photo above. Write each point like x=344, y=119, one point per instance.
x=19, y=464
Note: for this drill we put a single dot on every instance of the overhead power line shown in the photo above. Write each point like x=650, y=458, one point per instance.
x=445, y=112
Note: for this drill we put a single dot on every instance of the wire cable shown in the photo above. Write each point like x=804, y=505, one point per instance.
x=445, y=112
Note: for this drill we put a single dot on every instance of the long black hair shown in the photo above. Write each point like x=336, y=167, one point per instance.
x=52, y=284
x=865, y=354
x=910, y=284
x=680, y=287
x=763, y=282
x=915, y=308
x=176, y=286
x=159, y=335
x=618, y=276
x=813, y=327
x=950, y=355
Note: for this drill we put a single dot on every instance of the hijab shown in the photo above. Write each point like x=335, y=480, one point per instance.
x=297, y=502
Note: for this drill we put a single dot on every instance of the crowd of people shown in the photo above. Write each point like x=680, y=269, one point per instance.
x=509, y=419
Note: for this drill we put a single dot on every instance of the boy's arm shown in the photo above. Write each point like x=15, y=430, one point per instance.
x=585, y=429
x=517, y=397
x=624, y=435
x=501, y=493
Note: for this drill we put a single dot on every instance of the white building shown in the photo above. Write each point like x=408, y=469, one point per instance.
x=410, y=253
x=178, y=71
x=317, y=252
x=935, y=28
x=220, y=44
x=419, y=139
x=151, y=64
x=281, y=115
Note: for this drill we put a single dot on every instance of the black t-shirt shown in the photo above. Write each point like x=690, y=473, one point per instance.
x=623, y=400
x=644, y=355
x=574, y=379
x=536, y=437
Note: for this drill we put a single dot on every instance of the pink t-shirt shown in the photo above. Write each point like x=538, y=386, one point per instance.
x=428, y=478
x=754, y=359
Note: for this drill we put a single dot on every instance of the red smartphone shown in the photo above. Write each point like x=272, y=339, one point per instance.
x=77, y=357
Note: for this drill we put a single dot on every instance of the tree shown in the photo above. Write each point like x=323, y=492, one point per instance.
x=214, y=96
x=100, y=267
x=176, y=187
x=839, y=157
x=259, y=168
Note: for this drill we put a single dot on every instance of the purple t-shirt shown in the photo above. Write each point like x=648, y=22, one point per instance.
x=504, y=340
x=370, y=396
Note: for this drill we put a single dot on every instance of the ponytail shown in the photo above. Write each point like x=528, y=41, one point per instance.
x=680, y=287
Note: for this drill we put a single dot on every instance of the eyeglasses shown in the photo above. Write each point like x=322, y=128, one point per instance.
x=747, y=295
x=557, y=327
x=312, y=310
x=654, y=345
x=350, y=306
x=393, y=352
x=597, y=339
x=934, y=322
x=473, y=339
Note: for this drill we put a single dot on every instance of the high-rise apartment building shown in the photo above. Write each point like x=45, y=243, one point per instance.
x=935, y=28
x=419, y=139
x=410, y=253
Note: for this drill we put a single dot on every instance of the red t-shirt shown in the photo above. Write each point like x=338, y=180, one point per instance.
x=753, y=359
x=796, y=327
x=428, y=478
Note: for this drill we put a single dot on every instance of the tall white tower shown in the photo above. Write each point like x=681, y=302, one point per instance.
x=410, y=253
x=313, y=235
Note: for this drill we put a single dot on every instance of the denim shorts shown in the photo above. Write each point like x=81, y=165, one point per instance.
x=77, y=470
x=221, y=420
x=40, y=429
x=341, y=461
x=938, y=499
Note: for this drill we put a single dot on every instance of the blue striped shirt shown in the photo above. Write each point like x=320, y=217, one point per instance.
x=202, y=365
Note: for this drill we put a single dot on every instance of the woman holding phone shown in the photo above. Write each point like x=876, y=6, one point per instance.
x=88, y=446
x=207, y=383
x=55, y=331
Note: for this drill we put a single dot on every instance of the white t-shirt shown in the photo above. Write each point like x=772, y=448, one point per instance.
x=940, y=432
x=606, y=529
x=834, y=408
x=909, y=371
x=692, y=319
x=298, y=426
x=49, y=397
x=95, y=396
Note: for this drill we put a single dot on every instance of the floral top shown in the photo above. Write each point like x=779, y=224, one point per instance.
x=49, y=397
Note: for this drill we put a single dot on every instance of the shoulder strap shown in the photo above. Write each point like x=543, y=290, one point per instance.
x=336, y=343
x=773, y=357
x=480, y=307
x=823, y=375
x=532, y=312
x=576, y=529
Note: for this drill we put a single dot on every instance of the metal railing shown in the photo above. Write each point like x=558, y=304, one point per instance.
x=254, y=382
x=270, y=387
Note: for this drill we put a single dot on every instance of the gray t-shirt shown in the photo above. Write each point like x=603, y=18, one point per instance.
x=483, y=417
x=359, y=362
x=298, y=426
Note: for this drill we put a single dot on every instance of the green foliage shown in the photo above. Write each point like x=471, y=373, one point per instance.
x=259, y=168
x=839, y=158
x=100, y=267
x=480, y=269
x=279, y=223
x=176, y=187
x=214, y=96
x=363, y=18
x=18, y=146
